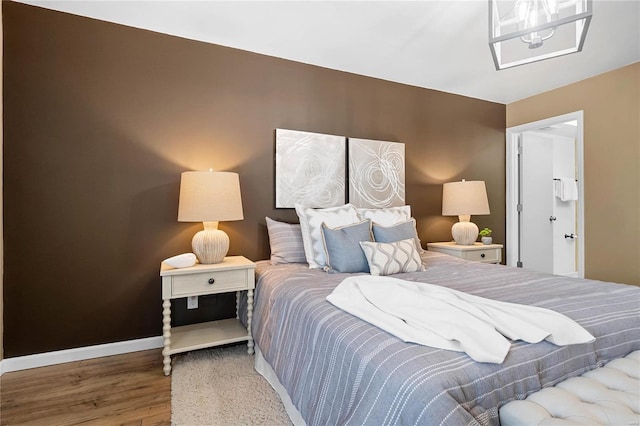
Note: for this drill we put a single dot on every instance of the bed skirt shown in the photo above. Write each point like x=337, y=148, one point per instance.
x=266, y=371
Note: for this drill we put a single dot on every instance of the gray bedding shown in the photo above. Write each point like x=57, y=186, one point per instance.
x=338, y=369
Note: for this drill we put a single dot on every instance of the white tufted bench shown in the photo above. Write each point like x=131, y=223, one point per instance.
x=609, y=395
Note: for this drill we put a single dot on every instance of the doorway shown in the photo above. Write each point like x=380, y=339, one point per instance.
x=545, y=195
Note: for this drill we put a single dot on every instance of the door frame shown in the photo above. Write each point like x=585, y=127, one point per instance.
x=512, y=184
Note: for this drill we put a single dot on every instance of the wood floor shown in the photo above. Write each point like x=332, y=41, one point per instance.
x=128, y=389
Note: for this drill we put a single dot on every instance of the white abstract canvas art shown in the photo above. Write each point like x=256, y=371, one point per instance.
x=376, y=173
x=310, y=169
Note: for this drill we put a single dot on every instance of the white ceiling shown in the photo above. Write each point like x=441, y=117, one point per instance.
x=440, y=45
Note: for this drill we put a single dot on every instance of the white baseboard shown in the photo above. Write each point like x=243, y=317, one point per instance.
x=78, y=354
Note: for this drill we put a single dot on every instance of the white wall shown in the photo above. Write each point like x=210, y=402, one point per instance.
x=1, y=199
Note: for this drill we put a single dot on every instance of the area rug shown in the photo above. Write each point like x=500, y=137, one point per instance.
x=219, y=386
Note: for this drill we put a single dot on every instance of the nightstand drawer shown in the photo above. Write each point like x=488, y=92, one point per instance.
x=209, y=282
x=477, y=252
x=489, y=255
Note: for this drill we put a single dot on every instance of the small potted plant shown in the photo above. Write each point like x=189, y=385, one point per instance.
x=485, y=235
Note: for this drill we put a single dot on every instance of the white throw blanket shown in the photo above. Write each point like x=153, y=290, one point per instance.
x=440, y=317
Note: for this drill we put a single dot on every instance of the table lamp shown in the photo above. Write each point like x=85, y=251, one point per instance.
x=210, y=197
x=463, y=199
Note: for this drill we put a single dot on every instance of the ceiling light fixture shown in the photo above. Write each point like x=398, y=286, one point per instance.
x=525, y=31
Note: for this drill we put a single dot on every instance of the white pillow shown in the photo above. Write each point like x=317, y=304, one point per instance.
x=386, y=216
x=392, y=258
x=311, y=221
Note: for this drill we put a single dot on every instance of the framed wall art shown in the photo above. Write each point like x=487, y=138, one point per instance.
x=376, y=173
x=310, y=169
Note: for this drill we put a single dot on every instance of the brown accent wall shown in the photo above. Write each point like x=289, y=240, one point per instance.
x=611, y=104
x=101, y=119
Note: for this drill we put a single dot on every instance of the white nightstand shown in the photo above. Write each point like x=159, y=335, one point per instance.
x=487, y=253
x=234, y=273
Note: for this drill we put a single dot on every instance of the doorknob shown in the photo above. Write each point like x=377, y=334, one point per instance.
x=572, y=236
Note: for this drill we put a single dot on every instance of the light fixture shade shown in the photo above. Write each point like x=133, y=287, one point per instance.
x=464, y=198
x=525, y=31
x=207, y=196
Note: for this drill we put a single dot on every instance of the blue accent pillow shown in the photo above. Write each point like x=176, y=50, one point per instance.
x=398, y=232
x=342, y=247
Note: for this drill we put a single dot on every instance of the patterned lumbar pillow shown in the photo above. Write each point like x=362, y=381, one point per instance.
x=392, y=258
x=311, y=221
x=342, y=247
x=285, y=240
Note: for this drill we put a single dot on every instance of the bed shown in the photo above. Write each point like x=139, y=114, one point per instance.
x=332, y=368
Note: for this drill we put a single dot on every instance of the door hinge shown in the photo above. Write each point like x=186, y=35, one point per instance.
x=519, y=208
x=519, y=264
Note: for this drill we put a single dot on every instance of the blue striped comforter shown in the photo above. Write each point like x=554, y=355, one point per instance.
x=338, y=369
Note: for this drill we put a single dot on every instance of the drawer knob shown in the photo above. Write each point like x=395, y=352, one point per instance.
x=482, y=254
x=211, y=281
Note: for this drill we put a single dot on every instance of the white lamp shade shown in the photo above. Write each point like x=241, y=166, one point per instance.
x=464, y=198
x=209, y=197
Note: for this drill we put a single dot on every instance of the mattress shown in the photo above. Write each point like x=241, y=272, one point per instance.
x=338, y=369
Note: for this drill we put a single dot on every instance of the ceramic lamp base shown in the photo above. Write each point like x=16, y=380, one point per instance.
x=210, y=245
x=464, y=232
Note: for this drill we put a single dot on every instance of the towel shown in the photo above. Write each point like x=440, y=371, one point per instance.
x=444, y=318
x=566, y=189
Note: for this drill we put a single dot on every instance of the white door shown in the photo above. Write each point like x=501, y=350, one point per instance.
x=565, y=226
x=547, y=223
x=545, y=233
x=536, y=195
